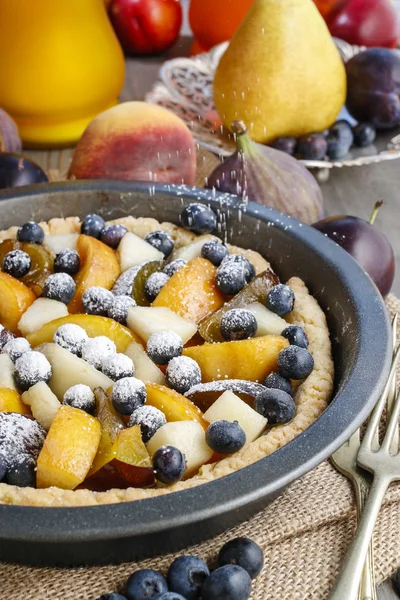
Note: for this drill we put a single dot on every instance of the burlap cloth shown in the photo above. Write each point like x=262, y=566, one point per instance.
x=304, y=535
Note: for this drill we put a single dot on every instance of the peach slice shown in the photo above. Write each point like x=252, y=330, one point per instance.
x=10, y=401
x=69, y=449
x=99, y=267
x=251, y=360
x=93, y=325
x=175, y=406
x=41, y=263
x=191, y=291
x=15, y=298
x=122, y=459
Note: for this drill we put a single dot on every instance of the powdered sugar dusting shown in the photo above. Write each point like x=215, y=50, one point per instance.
x=154, y=285
x=118, y=366
x=234, y=385
x=20, y=434
x=124, y=283
x=16, y=348
x=119, y=308
x=30, y=368
x=149, y=418
x=183, y=373
x=80, y=396
x=96, y=350
x=71, y=337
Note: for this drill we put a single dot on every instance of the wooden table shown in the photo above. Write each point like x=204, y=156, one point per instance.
x=348, y=191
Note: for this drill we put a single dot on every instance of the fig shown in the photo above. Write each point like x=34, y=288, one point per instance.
x=366, y=243
x=16, y=170
x=270, y=177
x=9, y=135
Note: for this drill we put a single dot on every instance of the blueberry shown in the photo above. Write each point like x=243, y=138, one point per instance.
x=225, y=437
x=278, y=382
x=30, y=232
x=280, y=299
x=3, y=467
x=97, y=301
x=59, y=286
x=296, y=336
x=186, y=576
x=5, y=337
x=364, y=134
x=145, y=584
x=150, y=420
x=16, y=348
x=229, y=582
x=174, y=266
x=119, y=308
x=285, y=144
x=233, y=274
x=16, y=263
x=169, y=464
x=171, y=596
x=112, y=235
x=67, y=261
x=275, y=405
x=238, y=324
x=21, y=471
x=182, y=373
x=214, y=251
x=162, y=241
x=71, y=337
x=163, y=346
x=295, y=362
x=128, y=394
x=30, y=368
x=198, y=218
x=312, y=146
x=117, y=366
x=340, y=139
x=243, y=552
x=154, y=285
x=111, y=596
x=80, y=396
x=93, y=225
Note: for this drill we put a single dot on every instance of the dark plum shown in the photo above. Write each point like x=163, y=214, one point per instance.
x=366, y=243
x=312, y=146
x=373, y=87
x=339, y=139
x=285, y=144
x=15, y=170
x=364, y=134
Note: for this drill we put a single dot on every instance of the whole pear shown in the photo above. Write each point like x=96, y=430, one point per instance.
x=282, y=73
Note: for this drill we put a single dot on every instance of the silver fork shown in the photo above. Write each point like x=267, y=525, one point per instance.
x=384, y=464
x=345, y=461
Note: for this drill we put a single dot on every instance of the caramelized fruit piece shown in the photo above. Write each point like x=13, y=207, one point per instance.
x=15, y=297
x=93, y=325
x=69, y=449
x=250, y=359
x=122, y=459
x=255, y=291
x=10, y=401
x=99, y=267
x=41, y=263
x=175, y=406
x=140, y=279
x=191, y=291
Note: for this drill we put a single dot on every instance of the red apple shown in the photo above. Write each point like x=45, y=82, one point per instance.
x=366, y=23
x=146, y=26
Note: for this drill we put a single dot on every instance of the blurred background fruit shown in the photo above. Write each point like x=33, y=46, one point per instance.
x=215, y=21
x=16, y=170
x=9, y=135
x=366, y=23
x=328, y=7
x=53, y=89
x=146, y=26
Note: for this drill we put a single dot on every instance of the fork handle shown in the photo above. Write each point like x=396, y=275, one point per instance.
x=348, y=580
x=367, y=584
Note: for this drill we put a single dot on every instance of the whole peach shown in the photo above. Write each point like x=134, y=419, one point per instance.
x=136, y=141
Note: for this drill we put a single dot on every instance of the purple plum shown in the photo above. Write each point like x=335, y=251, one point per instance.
x=373, y=87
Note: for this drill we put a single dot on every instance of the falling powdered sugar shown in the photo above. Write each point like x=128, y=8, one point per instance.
x=20, y=434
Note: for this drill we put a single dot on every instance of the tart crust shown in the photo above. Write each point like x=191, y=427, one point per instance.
x=311, y=397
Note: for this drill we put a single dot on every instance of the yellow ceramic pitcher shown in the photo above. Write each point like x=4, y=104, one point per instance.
x=60, y=65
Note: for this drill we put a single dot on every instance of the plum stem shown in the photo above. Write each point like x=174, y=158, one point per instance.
x=377, y=206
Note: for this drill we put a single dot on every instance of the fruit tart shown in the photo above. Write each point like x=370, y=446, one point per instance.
x=139, y=358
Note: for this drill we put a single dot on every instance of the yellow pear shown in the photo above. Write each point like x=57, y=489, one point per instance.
x=281, y=73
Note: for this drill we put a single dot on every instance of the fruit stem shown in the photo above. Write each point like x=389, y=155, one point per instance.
x=377, y=206
x=243, y=143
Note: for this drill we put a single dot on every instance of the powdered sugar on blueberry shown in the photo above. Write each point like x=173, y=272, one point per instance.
x=96, y=350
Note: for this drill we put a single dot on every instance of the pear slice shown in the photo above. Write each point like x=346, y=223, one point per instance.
x=145, y=369
x=57, y=243
x=189, y=438
x=7, y=373
x=193, y=250
x=132, y=251
x=146, y=320
x=69, y=370
x=268, y=323
x=230, y=407
x=44, y=404
x=42, y=311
